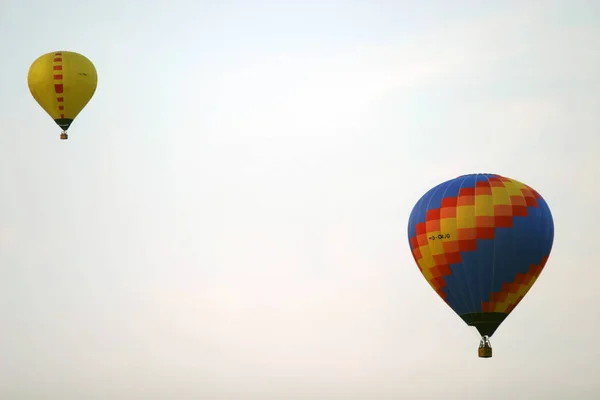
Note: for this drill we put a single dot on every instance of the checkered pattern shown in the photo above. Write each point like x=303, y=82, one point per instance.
x=512, y=293
x=456, y=227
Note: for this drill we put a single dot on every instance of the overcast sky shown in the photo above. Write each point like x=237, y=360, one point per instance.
x=228, y=217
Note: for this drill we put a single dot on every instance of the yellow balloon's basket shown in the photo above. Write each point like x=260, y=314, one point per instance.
x=64, y=136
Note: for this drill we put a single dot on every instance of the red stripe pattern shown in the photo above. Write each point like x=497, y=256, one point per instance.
x=58, y=82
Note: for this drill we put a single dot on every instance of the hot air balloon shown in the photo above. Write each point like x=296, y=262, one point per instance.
x=62, y=83
x=481, y=241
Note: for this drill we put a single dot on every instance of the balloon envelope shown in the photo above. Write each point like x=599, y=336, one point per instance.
x=481, y=241
x=62, y=83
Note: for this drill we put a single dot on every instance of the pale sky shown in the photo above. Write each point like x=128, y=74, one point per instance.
x=228, y=217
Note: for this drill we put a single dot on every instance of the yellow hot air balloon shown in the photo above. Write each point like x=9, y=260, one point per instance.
x=62, y=82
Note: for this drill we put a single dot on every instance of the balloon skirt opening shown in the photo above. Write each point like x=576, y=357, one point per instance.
x=486, y=323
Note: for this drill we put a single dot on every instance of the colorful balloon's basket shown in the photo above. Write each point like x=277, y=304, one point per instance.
x=485, y=352
x=485, y=348
x=64, y=136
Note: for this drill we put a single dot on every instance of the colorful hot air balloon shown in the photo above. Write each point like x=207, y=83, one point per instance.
x=62, y=83
x=481, y=241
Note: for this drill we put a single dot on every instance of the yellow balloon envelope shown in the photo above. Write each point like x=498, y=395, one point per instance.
x=62, y=83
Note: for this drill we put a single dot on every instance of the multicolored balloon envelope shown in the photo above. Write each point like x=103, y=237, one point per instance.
x=481, y=241
x=62, y=82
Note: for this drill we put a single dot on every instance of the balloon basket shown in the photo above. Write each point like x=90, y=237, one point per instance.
x=485, y=352
x=64, y=136
x=485, y=348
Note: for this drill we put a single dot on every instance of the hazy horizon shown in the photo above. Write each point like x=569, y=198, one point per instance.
x=228, y=217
